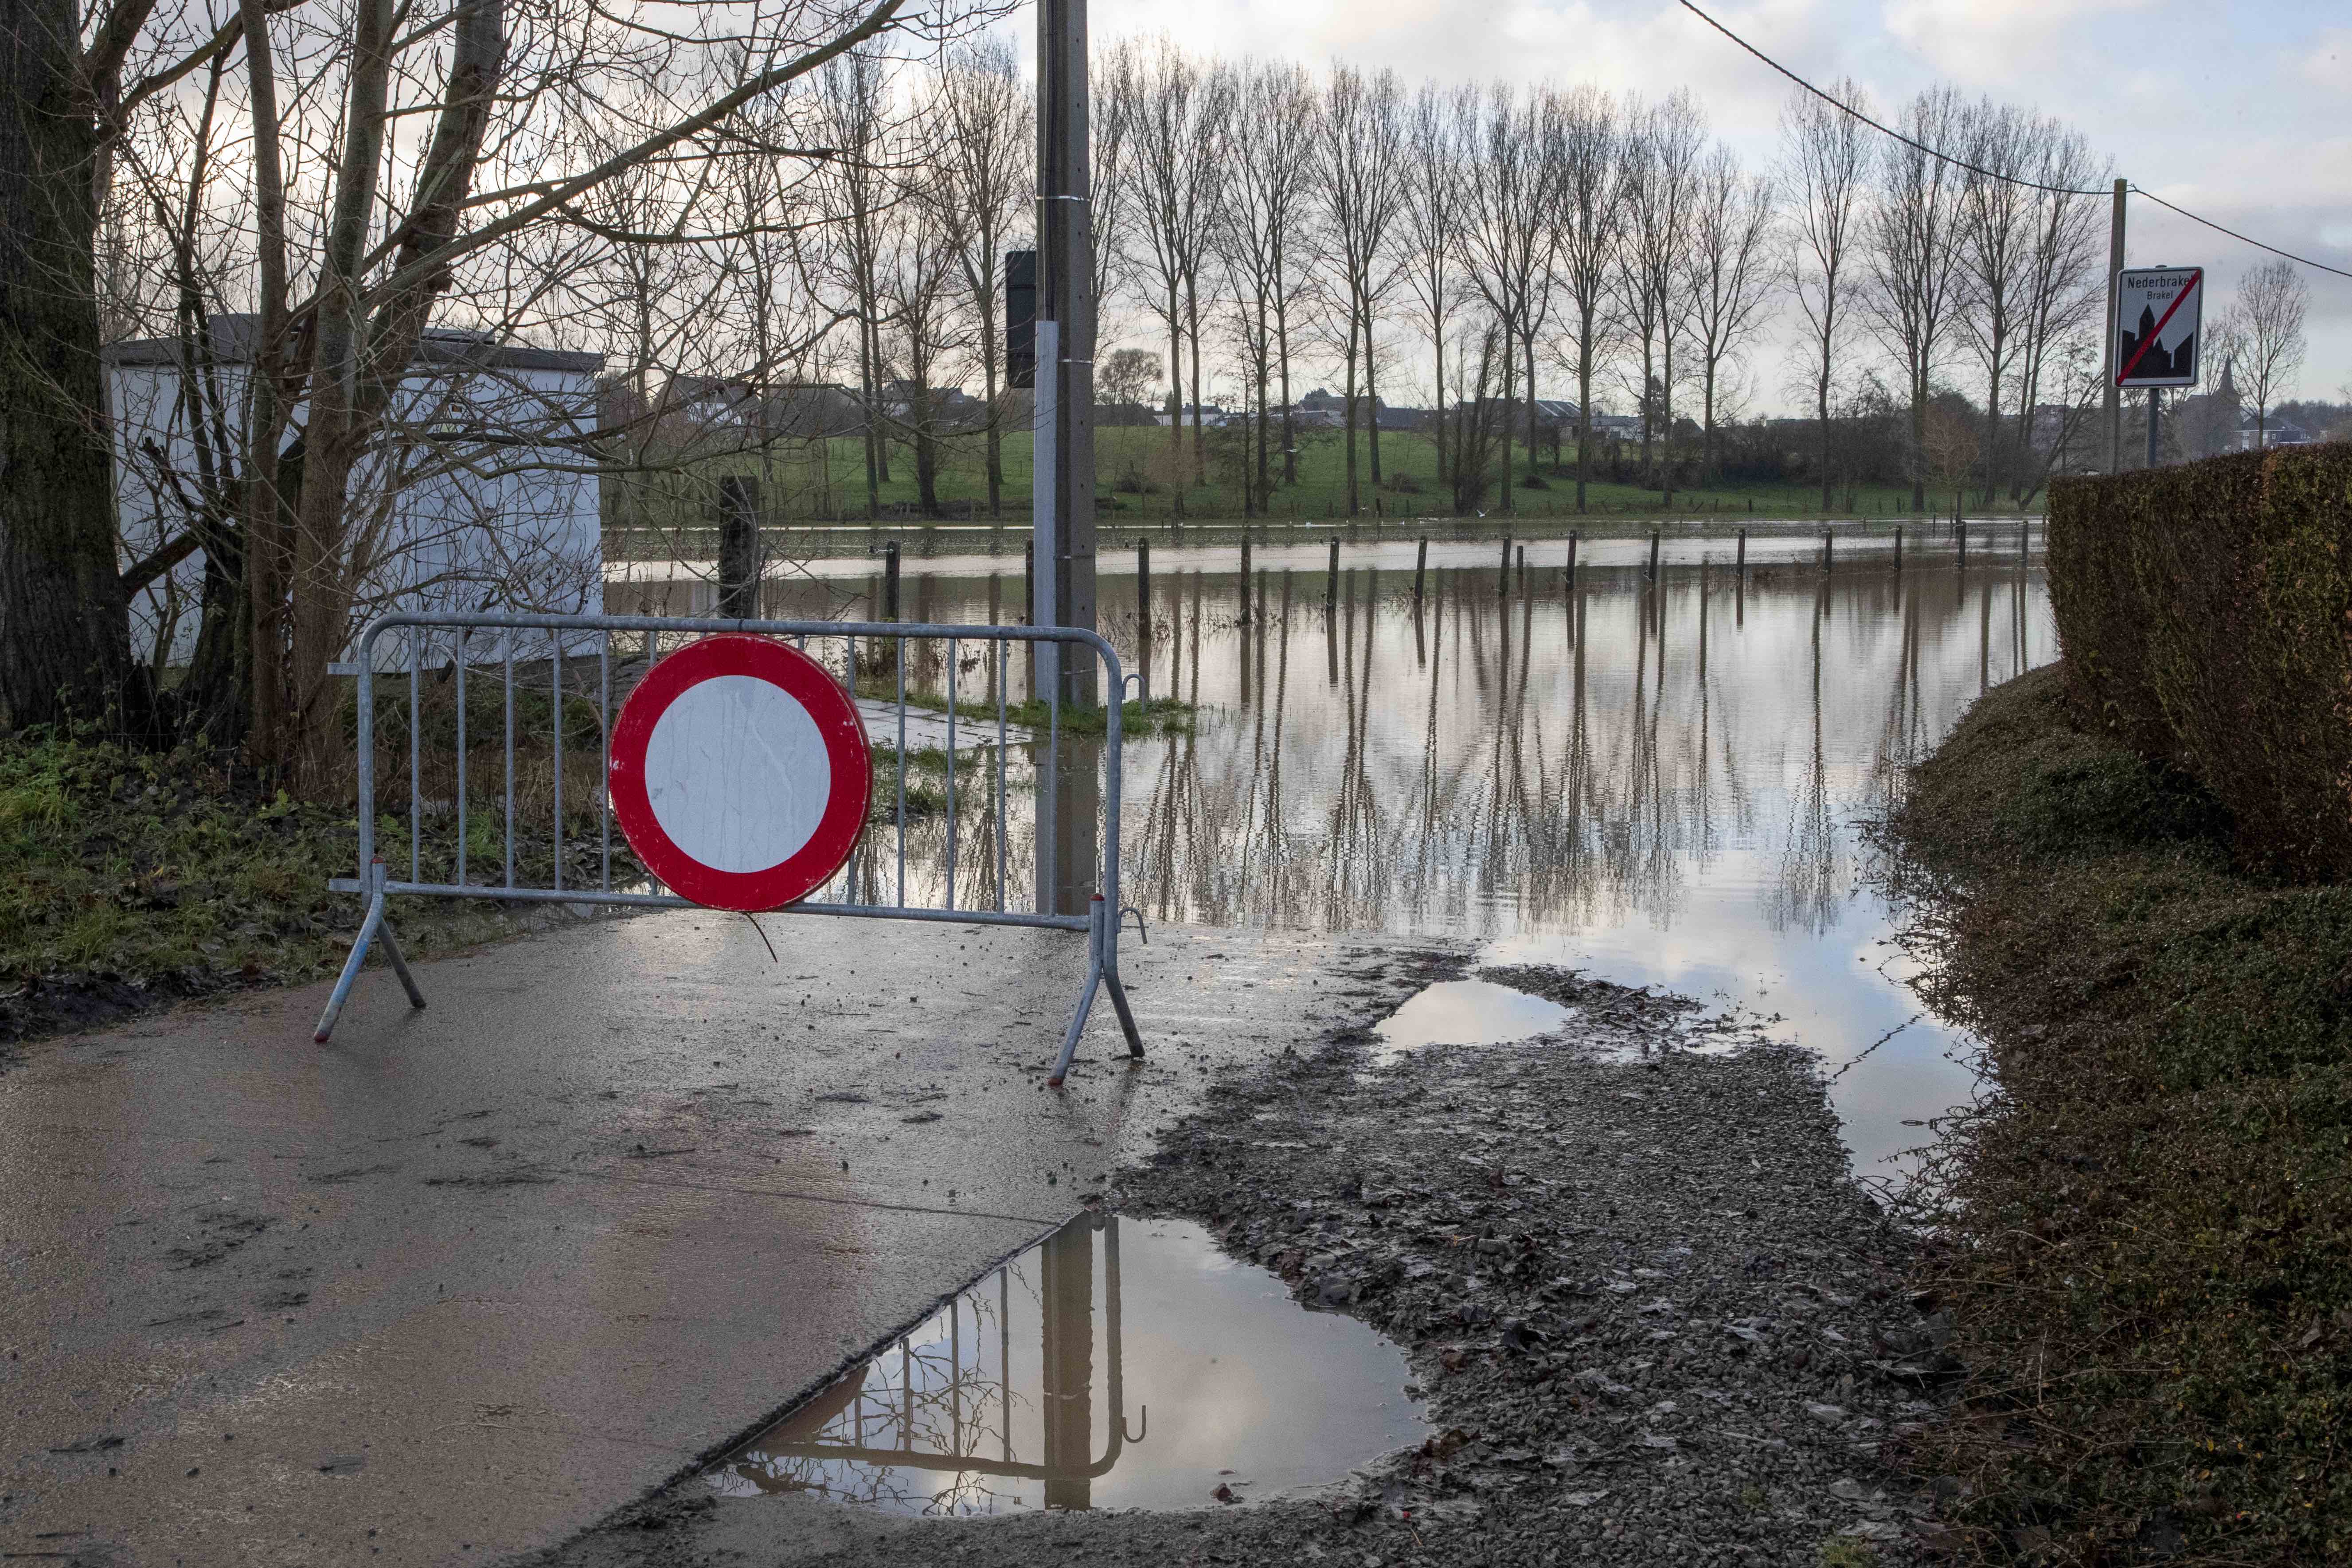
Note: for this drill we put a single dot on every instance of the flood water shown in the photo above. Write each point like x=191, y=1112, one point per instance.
x=1658, y=783
x=1115, y=1364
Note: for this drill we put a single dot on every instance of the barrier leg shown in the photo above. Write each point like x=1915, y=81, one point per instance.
x=399, y=964
x=1106, y=925
x=1077, y=1024
x=368, y=929
x=1086, y=997
x=374, y=928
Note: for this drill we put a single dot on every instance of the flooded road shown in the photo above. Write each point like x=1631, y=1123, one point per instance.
x=1659, y=782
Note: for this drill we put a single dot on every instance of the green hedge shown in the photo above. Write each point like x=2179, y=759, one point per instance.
x=2206, y=613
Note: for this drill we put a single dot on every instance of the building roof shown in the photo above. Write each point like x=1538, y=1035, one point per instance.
x=235, y=334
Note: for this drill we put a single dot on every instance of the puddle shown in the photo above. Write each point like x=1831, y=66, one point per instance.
x=1467, y=1013
x=1113, y=1365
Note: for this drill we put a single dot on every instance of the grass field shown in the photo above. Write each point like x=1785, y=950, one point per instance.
x=1141, y=478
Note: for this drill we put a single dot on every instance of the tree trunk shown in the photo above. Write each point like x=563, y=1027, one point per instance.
x=1371, y=402
x=1821, y=407
x=1531, y=397
x=65, y=624
x=1584, y=409
x=1666, y=417
x=1443, y=472
x=1349, y=405
x=1503, y=416
x=1176, y=375
x=1192, y=320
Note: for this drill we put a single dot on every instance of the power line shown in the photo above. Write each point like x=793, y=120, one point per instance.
x=2233, y=234
x=1844, y=108
x=1937, y=152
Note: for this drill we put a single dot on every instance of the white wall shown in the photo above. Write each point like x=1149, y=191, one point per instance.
x=462, y=523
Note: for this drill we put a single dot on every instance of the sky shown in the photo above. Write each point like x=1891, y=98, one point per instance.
x=2239, y=110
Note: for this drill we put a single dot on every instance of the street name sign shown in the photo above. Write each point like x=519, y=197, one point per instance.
x=740, y=772
x=2158, y=325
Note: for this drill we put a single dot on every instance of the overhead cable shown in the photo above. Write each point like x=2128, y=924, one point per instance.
x=1844, y=108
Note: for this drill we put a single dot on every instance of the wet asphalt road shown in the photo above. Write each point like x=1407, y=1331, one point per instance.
x=468, y=1279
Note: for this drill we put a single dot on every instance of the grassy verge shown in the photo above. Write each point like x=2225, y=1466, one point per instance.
x=2149, y=1227
x=1141, y=479
x=129, y=879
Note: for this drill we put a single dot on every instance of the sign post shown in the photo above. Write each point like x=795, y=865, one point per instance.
x=2158, y=331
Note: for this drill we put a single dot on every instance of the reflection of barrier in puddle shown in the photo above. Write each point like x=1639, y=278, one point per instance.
x=1257, y=1391
x=937, y=1402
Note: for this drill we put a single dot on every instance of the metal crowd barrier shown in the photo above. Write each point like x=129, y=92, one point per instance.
x=569, y=647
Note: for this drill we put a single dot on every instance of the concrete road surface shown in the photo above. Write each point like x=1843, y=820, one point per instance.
x=465, y=1281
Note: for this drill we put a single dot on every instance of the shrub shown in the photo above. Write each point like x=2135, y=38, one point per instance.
x=2206, y=612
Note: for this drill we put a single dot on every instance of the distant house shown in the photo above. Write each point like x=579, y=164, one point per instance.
x=479, y=495
x=2275, y=433
x=1210, y=415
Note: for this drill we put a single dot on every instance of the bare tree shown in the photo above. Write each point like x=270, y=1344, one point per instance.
x=2064, y=294
x=1268, y=158
x=857, y=194
x=1996, y=258
x=1586, y=154
x=1176, y=122
x=1729, y=274
x=2266, y=323
x=1431, y=220
x=1827, y=162
x=1505, y=241
x=981, y=198
x=1912, y=244
x=1661, y=204
x=1127, y=374
x=1360, y=174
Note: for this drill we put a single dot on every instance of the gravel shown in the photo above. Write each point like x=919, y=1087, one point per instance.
x=1653, y=1318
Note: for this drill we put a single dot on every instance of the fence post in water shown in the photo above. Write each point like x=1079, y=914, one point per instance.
x=739, y=547
x=1419, y=568
x=1523, y=568
x=1741, y=570
x=1504, y=584
x=1828, y=559
x=1573, y=535
x=1960, y=532
x=1028, y=582
x=1331, y=584
x=1898, y=547
x=1653, y=555
x=1143, y=612
x=890, y=581
x=2024, y=528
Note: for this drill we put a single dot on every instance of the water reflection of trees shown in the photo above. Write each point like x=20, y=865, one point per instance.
x=1540, y=759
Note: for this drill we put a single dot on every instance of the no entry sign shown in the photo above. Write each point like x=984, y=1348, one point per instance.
x=740, y=772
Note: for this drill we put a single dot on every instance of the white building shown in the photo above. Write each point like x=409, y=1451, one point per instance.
x=481, y=495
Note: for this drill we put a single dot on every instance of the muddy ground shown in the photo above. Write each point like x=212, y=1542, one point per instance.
x=1652, y=1317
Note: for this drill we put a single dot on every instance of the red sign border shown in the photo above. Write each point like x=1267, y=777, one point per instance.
x=847, y=747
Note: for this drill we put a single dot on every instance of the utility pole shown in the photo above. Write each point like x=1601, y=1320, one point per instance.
x=1064, y=508
x=2114, y=405
x=1063, y=529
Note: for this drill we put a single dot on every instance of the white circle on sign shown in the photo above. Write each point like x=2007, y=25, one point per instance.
x=737, y=773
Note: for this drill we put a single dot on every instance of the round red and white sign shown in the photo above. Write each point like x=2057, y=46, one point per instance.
x=740, y=772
